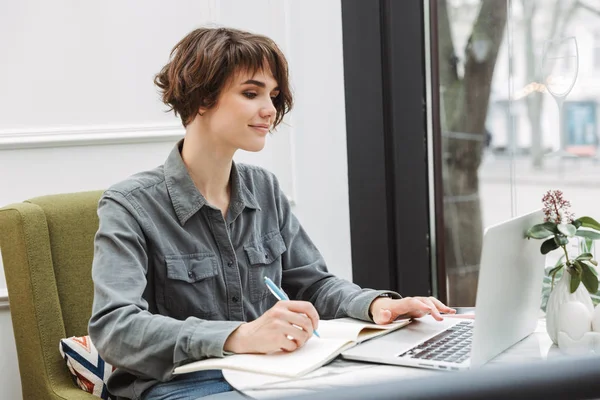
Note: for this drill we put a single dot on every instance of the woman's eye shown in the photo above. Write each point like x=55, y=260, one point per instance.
x=249, y=95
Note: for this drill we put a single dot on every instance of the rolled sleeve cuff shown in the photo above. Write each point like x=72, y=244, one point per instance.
x=359, y=306
x=205, y=339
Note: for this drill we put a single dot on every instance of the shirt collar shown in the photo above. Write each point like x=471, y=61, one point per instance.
x=187, y=199
x=241, y=196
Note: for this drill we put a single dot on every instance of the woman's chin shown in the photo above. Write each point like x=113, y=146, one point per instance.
x=253, y=147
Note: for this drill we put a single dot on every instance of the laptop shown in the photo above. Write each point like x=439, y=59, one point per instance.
x=507, y=309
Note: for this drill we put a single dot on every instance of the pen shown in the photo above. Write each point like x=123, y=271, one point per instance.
x=280, y=295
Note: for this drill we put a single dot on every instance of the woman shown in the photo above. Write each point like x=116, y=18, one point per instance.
x=182, y=250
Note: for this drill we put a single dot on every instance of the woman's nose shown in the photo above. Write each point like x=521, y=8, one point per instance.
x=268, y=110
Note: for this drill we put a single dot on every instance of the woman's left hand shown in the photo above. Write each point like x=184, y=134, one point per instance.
x=386, y=310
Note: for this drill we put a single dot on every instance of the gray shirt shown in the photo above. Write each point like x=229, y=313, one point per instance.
x=173, y=278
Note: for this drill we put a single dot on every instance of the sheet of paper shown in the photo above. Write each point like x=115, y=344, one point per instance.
x=350, y=329
x=339, y=373
x=314, y=353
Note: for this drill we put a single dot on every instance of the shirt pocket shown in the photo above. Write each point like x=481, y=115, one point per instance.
x=190, y=285
x=264, y=259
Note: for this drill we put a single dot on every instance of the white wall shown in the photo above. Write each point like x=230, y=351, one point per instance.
x=78, y=109
x=10, y=387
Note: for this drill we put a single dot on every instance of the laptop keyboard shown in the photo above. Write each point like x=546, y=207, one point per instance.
x=452, y=345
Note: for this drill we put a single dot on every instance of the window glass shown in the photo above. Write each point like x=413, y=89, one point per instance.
x=519, y=95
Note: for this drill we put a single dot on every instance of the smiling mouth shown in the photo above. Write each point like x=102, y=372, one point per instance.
x=260, y=128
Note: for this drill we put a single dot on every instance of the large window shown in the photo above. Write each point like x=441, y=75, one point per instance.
x=518, y=90
x=461, y=114
x=597, y=50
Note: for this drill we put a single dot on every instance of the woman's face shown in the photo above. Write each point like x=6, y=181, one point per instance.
x=244, y=112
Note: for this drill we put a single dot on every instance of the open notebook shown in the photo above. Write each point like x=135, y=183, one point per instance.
x=336, y=336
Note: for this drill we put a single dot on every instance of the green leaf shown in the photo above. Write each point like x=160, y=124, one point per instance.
x=575, y=281
x=577, y=223
x=591, y=265
x=585, y=256
x=548, y=246
x=550, y=226
x=588, y=222
x=553, y=272
x=567, y=229
x=555, y=269
x=584, y=233
x=578, y=267
x=585, y=245
x=589, y=279
x=538, y=232
x=594, y=262
x=561, y=240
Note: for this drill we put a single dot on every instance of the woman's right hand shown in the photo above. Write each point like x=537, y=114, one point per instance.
x=271, y=332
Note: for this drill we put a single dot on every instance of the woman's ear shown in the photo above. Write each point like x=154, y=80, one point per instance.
x=202, y=108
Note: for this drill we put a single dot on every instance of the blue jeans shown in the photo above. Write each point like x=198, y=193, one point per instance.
x=190, y=386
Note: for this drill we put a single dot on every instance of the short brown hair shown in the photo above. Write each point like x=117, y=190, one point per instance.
x=203, y=62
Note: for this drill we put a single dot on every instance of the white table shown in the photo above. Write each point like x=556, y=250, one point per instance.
x=343, y=373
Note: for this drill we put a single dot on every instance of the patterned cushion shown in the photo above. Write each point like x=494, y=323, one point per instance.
x=88, y=370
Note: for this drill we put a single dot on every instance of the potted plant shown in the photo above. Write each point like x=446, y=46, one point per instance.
x=579, y=278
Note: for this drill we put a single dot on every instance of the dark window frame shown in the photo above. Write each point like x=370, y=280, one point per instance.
x=386, y=122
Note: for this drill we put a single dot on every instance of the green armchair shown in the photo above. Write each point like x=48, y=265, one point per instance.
x=47, y=250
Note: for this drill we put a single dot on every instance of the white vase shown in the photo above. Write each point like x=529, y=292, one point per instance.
x=560, y=295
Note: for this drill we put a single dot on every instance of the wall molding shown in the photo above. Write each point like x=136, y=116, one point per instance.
x=33, y=138
x=30, y=138
x=3, y=298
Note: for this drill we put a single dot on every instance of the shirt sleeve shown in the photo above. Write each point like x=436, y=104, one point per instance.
x=125, y=332
x=305, y=275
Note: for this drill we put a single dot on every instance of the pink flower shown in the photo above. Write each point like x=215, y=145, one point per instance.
x=556, y=208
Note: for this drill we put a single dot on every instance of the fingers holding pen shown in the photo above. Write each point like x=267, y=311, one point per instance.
x=290, y=336
x=301, y=307
x=293, y=327
x=294, y=317
x=286, y=326
x=307, y=309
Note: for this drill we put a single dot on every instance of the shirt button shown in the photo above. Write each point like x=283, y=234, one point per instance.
x=190, y=274
x=230, y=263
x=267, y=256
x=235, y=299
